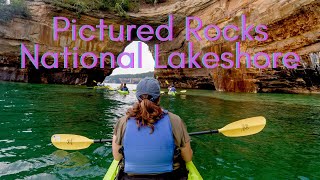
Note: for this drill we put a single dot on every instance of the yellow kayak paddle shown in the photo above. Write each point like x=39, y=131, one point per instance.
x=239, y=128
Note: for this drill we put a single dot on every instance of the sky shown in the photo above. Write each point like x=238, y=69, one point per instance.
x=147, y=60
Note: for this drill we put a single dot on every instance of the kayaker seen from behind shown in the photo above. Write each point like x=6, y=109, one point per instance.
x=149, y=138
x=124, y=88
x=172, y=90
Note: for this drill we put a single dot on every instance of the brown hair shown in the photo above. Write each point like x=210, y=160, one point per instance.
x=146, y=112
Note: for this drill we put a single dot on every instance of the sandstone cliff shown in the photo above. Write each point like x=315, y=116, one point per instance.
x=38, y=29
x=293, y=26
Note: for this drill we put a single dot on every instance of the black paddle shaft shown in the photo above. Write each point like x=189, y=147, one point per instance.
x=204, y=132
x=191, y=134
x=102, y=140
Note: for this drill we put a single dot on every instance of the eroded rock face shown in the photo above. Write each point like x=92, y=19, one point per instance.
x=39, y=30
x=293, y=26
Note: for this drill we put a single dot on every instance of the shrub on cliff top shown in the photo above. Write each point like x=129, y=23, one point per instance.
x=120, y=7
x=85, y=6
x=17, y=8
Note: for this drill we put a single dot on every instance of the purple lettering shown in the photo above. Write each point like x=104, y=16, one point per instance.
x=189, y=30
x=192, y=59
x=34, y=60
x=56, y=28
x=255, y=59
x=55, y=60
x=168, y=27
x=245, y=30
x=215, y=60
x=291, y=63
x=83, y=58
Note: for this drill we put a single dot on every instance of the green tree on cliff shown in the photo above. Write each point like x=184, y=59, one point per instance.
x=16, y=8
x=121, y=7
x=85, y=6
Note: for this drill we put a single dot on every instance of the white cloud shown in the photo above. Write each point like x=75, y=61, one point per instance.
x=147, y=60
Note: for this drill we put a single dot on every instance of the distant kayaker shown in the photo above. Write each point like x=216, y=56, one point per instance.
x=172, y=88
x=154, y=142
x=124, y=88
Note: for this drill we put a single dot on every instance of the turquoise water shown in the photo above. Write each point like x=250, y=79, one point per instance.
x=288, y=147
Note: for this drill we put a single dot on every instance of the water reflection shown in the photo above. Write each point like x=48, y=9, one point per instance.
x=65, y=159
x=74, y=165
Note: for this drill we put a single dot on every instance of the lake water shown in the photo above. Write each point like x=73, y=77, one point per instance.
x=288, y=147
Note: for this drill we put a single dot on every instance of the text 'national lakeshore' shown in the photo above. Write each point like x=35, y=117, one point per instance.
x=195, y=31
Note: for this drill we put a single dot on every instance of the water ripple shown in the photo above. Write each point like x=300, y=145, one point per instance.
x=35, y=112
x=7, y=140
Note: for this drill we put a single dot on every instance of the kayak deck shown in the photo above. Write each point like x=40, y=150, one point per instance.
x=172, y=93
x=114, y=170
x=123, y=92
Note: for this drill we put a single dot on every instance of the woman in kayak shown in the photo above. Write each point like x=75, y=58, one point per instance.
x=149, y=137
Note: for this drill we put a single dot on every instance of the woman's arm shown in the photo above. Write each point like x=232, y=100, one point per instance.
x=186, y=152
x=181, y=136
x=115, y=149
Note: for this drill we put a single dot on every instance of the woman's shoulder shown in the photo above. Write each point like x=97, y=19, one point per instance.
x=174, y=118
x=120, y=126
x=121, y=121
x=171, y=114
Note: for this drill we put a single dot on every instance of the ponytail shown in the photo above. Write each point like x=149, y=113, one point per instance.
x=146, y=112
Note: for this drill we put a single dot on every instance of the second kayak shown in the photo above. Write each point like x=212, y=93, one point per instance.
x=123, y=92
x=172, y=93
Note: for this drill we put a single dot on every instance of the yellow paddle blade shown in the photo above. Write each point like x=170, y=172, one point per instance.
x=183, y=91
x=167, y=82
x=244, y=127
x=70, y=141
x=112, y=171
